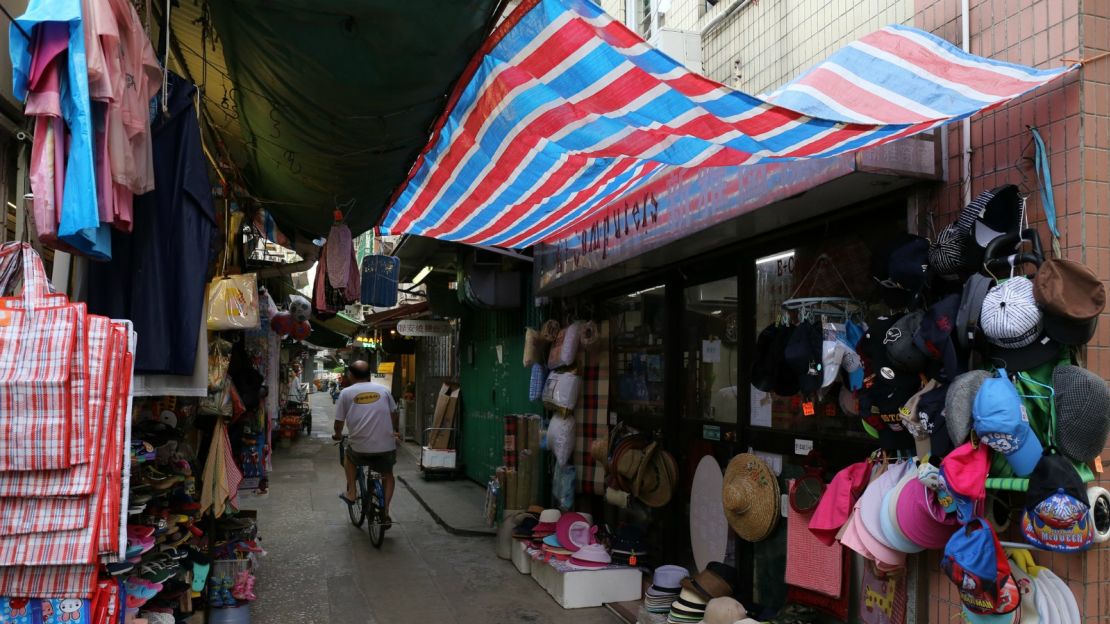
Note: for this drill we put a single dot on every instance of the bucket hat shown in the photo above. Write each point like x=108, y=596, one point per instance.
x=590, y=557
x=574, y=531
x=999, y=420
x=751, y=497
x=959, y=402
x=838, y=500
x=1072, y=297
x=1082, y=401
x=1057, y=513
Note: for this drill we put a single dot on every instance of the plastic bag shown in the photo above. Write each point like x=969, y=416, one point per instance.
x=233, y=302
x=560, y=438
x=562, y=486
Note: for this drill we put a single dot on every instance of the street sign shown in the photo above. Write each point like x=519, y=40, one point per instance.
x=417, y=327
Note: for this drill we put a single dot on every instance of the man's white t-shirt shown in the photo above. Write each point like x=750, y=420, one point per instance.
x=367, y=409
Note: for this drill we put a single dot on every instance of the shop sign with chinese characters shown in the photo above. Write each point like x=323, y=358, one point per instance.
x=417, y=327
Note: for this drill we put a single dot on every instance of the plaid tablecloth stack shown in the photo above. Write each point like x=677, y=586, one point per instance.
x=65, y=385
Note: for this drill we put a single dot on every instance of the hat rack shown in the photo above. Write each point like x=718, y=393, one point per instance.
x=836, y=308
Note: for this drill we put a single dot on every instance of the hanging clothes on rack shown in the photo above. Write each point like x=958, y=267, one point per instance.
x=332, y=292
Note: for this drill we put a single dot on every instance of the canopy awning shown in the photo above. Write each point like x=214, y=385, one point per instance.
x=565, y=110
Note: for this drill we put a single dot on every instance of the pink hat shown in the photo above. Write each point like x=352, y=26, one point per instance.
x=921, y=517
x=965, y=470
x=837, y=501
x=866, y=531
x=574, y=531
x=590, y=557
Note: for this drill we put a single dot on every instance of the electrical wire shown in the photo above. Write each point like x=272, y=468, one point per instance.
x=15, y=23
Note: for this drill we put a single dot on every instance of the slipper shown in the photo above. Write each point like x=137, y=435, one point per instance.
x=343, y=497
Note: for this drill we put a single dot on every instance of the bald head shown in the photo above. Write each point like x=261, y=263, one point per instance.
x=360, y=370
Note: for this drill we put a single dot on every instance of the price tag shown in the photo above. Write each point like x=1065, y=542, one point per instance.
x=803, y=447
x=830, y=410
x=808, y=409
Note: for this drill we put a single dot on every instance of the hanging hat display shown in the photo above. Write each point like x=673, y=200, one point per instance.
x=751, y=497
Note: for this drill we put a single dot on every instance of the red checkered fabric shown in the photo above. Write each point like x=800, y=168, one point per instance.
x=511, y=425
x=77, y=581
x=38, y=515
x=592, y=416
x=110, y=464
x=78, y=480
x=36, y=352
x=79, y=419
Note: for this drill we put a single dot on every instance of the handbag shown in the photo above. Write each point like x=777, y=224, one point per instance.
x=233, y=302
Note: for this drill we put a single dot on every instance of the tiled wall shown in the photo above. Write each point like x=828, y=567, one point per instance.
x=776, y=40
x=1072, y=116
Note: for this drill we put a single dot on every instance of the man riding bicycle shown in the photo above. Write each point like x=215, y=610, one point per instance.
x=371, y=417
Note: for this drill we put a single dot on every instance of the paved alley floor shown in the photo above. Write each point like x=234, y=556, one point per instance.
x=321, y=570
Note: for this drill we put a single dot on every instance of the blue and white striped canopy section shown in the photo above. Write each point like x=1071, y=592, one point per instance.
x=565, y=110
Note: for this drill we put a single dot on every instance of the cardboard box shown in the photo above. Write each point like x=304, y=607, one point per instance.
x=588, y=588
x=447, y=404
x=521, y=560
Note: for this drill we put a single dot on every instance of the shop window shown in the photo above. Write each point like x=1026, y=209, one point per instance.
x=638, y=323
x=833, y=267
x=710, y=358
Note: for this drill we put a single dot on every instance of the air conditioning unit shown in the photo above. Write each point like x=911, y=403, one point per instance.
x=682, y=45
x=720, y=294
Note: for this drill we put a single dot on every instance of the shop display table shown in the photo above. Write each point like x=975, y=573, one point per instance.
x=576, y=589
x=520, y=557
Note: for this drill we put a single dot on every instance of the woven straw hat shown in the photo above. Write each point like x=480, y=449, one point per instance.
x=751, y=497
x=655, y=475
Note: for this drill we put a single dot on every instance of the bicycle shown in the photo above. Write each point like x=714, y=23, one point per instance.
x=371, y=500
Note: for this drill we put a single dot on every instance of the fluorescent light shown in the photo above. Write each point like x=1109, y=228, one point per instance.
x=13, y=206
x=421, y=275
x=646, y=290
x=782, y=256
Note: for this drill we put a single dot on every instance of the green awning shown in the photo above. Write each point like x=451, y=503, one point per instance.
x=319, y=103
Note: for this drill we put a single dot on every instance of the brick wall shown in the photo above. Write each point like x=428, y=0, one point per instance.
x=1072, y=116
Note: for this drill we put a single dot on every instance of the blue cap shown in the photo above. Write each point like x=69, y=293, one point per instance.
x=946, y=498
x=1000, y=421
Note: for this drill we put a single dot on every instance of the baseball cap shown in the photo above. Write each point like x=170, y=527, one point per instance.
x=975, y=562
x=885, y=386
x=911, y=419
x=954, y=254
x=899, y=343
x=804, y=356
x=1082, y=402
x=999, y=420
x=964, y=475
x=836, y=503
x=1056, y=514
x=836, y=356
x=958, y=404
x=1010, y=317
x=921, y=518
x=765, y=360
x=900, y=268
x=934, y=334
x=991, y=214
x=971, y=307
x=1072, y=297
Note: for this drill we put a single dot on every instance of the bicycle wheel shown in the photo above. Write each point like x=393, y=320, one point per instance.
x=376, y=525
x=358, y=510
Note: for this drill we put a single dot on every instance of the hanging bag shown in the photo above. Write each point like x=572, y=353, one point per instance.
x=37, y=345
x=233, y=302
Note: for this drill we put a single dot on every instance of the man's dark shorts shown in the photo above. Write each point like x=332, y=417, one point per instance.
x=381, y=463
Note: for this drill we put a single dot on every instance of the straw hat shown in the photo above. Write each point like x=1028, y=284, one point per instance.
x=599, y=449
x=653, y=472
x=751, y=497
x=624, y=461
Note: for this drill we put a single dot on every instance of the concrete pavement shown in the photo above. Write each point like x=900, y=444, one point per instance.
x=321, y=570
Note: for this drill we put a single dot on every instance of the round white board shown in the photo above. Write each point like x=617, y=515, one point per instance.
x=708, y=527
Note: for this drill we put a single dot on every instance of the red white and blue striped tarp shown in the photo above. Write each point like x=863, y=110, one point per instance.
x=565, y=109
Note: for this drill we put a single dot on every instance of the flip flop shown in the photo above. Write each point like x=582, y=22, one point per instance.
x=343, y=497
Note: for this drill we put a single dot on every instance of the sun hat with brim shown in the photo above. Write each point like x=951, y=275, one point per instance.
x=574, y=531
x=708, y=584
x=590, y=557
x=836, y=502
x=751, y=497
x=870, y=504
x=623, y=469
x=857, y=537
x=1067, y=609
x=889, y=518
x=958, y=404
x=656, y=477
x=724, y=610
x=921, y=519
